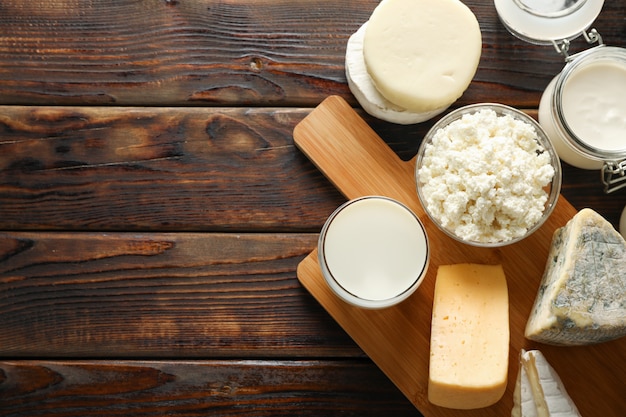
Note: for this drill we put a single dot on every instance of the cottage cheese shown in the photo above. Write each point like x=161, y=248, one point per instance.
x=483, y=177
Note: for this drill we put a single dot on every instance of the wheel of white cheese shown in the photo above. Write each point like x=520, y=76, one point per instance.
x=365, y=92
x=422, y=54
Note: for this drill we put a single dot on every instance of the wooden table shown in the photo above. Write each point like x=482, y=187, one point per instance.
x=154, y=208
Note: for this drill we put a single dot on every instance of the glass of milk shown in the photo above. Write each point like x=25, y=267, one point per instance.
x=373, y=252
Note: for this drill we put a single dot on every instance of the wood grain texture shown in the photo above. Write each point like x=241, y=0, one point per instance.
x=198, y=52
x=166, y=168
x=160, y=52
x=186, y=169
x=153, y=204
x=167, y=295
x=351, y=155
x=198, y=388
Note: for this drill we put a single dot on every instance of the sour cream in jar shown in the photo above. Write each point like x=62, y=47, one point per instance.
x=583, y=109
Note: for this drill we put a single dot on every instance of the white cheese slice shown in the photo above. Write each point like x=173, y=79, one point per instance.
x=422, y=54
x=582, y=296
x=365, y=92
x=539, y=391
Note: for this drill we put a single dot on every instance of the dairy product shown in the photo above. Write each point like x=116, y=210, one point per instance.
x=422, y=54
x=582, y=296
x=373, y=251
x=365, y=91
x=592, y=102
x=539, y=392
x=483, y=177
x=469, y=342
x=565, y=150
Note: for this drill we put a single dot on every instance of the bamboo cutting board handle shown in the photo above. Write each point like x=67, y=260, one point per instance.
x=352, y=156
x=358, y=162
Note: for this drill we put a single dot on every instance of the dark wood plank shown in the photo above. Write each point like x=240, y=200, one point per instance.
x=163, y=168
x=202, y=388
x=191, y=52
x=248, y=52
x=166, y=295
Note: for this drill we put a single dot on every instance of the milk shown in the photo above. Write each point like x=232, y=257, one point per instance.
x=374, y=249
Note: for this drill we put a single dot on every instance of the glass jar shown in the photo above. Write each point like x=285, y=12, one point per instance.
x=583, y=109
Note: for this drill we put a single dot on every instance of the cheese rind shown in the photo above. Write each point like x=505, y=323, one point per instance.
x=539, y=391
x=422, y=54
x=469, y=344
x=364, y=90
x=582, y=296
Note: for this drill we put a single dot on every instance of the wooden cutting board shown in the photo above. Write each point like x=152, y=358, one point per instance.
x=358, y=162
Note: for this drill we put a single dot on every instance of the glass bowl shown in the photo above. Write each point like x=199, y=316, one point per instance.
x=487, y=175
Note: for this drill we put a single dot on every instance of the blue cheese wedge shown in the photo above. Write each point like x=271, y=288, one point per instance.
x=539, y=391
x=582, y=296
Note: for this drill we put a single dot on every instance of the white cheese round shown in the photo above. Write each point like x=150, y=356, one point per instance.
x=365, y=92
x=422, y=54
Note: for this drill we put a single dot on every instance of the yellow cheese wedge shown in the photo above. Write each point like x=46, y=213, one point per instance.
x=469, y=343
x=422, y=54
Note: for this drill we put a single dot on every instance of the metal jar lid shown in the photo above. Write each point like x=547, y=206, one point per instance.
x=547, y=21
